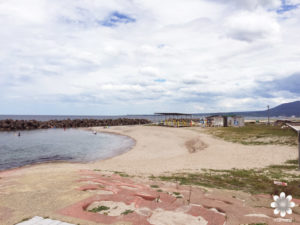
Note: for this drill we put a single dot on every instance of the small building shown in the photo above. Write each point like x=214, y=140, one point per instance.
x=225, y=121
x=214, y=121
x=234, y=121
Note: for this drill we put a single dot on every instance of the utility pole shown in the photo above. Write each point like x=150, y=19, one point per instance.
x=268, y=115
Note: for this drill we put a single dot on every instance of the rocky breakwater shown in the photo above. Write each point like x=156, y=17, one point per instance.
x=13, y=125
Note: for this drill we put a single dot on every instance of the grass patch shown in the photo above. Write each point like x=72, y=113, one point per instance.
x=256, y=134
x=292, y=161
x=127, y=211
x=99, y=209
x=121, y=174
x=154, y=186
x=258, y=224
x=253, y=181
x=286, y=167
x=159, y=190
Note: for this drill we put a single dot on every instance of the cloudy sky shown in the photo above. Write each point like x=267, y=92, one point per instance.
x=106, y=57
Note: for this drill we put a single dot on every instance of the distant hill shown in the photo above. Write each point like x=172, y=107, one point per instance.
x=286, y=109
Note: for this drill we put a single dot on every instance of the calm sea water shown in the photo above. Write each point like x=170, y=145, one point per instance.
x=73, y=145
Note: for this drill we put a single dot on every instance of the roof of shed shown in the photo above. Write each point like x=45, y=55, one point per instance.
x=173, y=114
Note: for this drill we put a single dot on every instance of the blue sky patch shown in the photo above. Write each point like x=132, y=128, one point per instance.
x=286, y=7
x=116, y=18
x=160, y=80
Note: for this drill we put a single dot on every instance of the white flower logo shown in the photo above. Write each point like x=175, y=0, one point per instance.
x=282, y=204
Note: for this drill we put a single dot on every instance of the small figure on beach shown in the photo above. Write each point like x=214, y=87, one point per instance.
x=94, y=132
x=19, y=134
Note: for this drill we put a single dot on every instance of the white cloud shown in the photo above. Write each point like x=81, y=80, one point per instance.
x=292, y=2
x=176, y=55
x=251, y=26
x=252, y=4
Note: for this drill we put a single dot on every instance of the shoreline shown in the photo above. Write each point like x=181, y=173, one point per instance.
x=189, y=159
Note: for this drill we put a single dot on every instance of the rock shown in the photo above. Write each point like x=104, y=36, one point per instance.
x=13, y=125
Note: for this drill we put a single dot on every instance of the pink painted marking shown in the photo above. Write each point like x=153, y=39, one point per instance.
x=142, y=196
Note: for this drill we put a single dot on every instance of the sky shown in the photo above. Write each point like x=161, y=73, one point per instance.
x=116, y=57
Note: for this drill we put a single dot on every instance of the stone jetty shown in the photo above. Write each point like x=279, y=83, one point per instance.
x=13, y=125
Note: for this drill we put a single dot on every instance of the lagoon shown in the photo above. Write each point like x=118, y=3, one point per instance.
x=74, y=145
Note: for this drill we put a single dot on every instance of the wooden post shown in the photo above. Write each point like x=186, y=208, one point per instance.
x=298, y=149
x=190, y=194
x=268, y=115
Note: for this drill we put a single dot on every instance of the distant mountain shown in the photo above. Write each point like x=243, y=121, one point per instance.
x=286, y=109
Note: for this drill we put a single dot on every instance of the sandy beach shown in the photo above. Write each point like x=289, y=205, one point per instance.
x=162, y=149
x=45, y=188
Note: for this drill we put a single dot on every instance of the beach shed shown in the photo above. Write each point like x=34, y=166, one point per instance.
x=234, y=121
x=215, y=121
x=225, y=121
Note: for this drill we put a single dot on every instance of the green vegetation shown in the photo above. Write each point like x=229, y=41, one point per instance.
x=99, y=209
x=176, y=193
x=121, y=174
x=253, y=181
x=154, y=186
x=258, y=224
x=292, y=161
x=127, y=211
x=256, y=134
x=287, y=167
x=159, y=190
